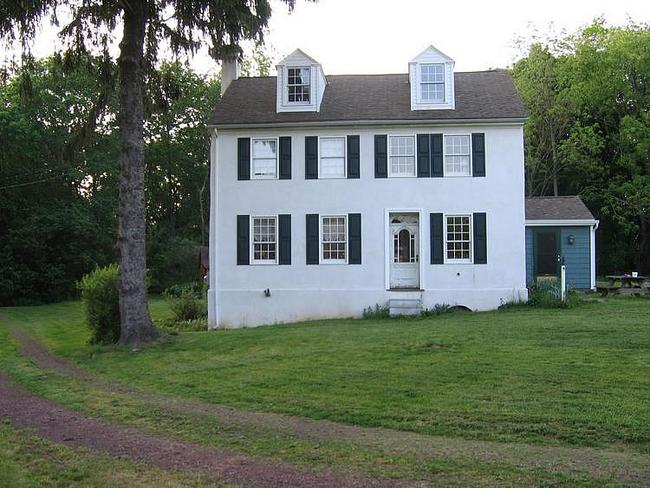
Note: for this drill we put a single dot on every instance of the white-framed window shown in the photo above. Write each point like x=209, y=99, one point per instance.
x=458, y=155
x=265, y=240
x=458, y=239
x=299, y=85
x=432, y=83
x=401, y=155
x=334, y=241
x=332, y=157
x=264, y=159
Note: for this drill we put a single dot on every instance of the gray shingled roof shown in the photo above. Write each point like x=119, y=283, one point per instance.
x=557, y=208
x=479, y=95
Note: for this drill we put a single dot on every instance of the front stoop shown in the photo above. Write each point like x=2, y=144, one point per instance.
x=405, y=302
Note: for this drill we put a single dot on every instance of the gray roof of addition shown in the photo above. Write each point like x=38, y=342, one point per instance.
x=557, y=208
x=481, y=95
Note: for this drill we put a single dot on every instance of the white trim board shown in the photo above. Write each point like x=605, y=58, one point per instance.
x=558, y=222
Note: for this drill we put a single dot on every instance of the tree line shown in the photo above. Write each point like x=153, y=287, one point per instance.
x=588, y=133
x=59, y=174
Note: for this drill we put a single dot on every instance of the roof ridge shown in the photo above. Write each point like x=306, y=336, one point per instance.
x=496, y=70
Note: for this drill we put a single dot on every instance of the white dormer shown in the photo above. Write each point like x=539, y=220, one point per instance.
x=431, y=76
x=301, y=83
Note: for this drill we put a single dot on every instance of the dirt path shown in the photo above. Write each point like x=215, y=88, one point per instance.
x=61, y=425
x=605, y=464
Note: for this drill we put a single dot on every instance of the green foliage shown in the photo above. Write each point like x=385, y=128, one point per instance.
x=99, y=292
x=174, y=326
x=438, y=309
x=588, y=132
x=173, y=261
x=546, y=294
x=188, y=301
x=377, y=312
x=60, y=223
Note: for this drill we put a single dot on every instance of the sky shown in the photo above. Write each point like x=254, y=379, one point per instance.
x=382, y=36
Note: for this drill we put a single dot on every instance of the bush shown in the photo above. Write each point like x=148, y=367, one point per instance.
x=173, y=326
x=187, y=301
x=99, y=292
x=546, y=294
x=438, y=309
x=377, y=312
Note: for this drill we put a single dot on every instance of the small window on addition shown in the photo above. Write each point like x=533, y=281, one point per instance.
x=299, y=85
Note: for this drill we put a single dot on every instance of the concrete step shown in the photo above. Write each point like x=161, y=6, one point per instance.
x=405, y=306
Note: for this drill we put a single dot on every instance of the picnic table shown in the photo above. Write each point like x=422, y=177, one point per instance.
x=625, y=283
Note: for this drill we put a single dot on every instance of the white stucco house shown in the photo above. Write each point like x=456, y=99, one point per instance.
x=331, y=194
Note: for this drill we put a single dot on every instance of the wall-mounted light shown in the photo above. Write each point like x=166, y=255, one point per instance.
x=571, y=239
x=267, y=293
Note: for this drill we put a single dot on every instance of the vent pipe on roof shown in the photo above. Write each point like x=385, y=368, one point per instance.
x=229, y=72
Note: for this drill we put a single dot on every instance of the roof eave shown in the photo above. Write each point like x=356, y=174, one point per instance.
x=557, y=222
x=511, y=121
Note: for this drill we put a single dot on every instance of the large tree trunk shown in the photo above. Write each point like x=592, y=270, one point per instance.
x=136, y=325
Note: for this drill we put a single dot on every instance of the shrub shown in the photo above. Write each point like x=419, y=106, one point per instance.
x=99, y=292
x=546, y=294
x=377, y=312
x=438, y=309
x=174, y=326
x=187, y=301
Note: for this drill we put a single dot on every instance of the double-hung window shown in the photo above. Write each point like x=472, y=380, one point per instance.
x=332, y=157
x=299, y=85
x=333, y=239
x=458, y=239
x=265, y=159
x=432, y=83
x=457, y=155
x=402, y=155
x=265, y=239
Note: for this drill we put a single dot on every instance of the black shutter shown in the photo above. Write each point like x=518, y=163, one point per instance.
x=478, y=154
x=437, y=238
x=244, y=158
x=424, y=156
x=284, y=238
x=354, y=238
x=354, y=157
x=243, y=240
x=381, y=156
x=311, y=157
x=285, y=158
x=436, y=155
x=312, y=238
x=480, y=238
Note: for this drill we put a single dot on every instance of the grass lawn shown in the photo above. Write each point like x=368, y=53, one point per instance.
x=578, y=376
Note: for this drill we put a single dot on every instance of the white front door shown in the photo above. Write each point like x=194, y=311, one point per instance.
x=405, y=245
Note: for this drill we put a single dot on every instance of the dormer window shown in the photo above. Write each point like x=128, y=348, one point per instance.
x=298, y=85
x=432, y=83
x=431, y=78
